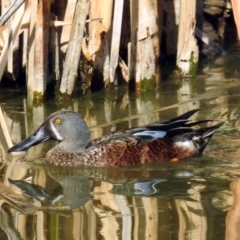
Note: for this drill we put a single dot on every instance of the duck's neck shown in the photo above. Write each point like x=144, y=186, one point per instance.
x=69, y=147
x=74, y=145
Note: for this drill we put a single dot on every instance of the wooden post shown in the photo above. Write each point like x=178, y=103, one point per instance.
x=30, y=53
x=66, y=31
x=41, y=49
x=236, y=13
x=14, y=30
x=143, y=56
x=38, y=51
x=74, y=47
x=187, y=49
x=99, y=39
x=8, y=12
x=116, y=35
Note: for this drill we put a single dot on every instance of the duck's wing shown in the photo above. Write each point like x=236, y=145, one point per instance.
x=137, y=135
x=140, y=135
x=172, y=129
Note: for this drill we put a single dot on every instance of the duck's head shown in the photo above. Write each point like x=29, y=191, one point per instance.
x=66, y=127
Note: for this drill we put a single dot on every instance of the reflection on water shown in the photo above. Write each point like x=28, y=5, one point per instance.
x=173, y=202
x=196, y=198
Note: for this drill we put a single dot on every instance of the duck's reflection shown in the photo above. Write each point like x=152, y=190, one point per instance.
x=71, y=191
x=105, y=201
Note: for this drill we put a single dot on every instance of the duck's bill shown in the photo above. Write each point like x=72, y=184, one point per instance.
x=38, y=137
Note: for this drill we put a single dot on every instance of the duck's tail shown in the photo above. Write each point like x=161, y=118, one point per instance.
x=206, y=134
x=191, y=142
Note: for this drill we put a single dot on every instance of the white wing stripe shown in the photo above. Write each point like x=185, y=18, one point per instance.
x=154, y=134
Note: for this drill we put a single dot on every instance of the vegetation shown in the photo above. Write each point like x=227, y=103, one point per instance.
x=104, y=43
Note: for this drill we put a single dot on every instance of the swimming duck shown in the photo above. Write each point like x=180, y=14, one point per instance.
x=156, y=142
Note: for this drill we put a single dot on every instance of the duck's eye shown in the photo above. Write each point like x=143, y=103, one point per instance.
x=57, y=120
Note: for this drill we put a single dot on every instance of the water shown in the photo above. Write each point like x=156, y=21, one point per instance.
x=196, y=198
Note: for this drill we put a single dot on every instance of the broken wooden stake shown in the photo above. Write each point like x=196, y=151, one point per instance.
x=74, y=47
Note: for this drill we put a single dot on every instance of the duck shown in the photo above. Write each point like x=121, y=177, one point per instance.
x=167, y=140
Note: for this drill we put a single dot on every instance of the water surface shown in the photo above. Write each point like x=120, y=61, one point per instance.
x=196, y=198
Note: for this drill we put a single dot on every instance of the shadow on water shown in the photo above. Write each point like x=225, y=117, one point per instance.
x=195, y=198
